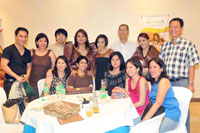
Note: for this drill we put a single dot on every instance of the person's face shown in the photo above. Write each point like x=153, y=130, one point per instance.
x=61, y=65
x=175, y=29
x=101, y=43
x=155, y=70
x=42, y=43
x=82, y=65
x=123, y=32
x=81, y=39
x=143, y=42
x=155, y=38
x=21, y=38
x=115, y=62
x=131, y=70
x=60, y=38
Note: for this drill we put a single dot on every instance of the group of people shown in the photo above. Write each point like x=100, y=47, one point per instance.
x=125, y=64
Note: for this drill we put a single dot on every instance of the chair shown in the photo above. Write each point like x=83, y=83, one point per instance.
x=148, y=126
x=4, y=127
x=183, y=95
x=40, y=85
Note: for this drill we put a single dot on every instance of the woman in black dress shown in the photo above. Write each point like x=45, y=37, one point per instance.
x=102, y=59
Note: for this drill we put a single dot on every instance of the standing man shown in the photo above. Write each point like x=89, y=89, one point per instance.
x=180, y=56
x=16, y=60
x=124, y=46
x=61, y=36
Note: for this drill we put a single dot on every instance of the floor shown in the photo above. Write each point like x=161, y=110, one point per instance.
x=195, y=117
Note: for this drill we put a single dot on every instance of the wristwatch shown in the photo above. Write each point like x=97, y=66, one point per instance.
x=191, y=83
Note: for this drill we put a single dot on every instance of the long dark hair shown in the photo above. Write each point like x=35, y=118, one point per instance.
x=67, y=69
x=136, y=62
x=122, y=63
x=163, y=74
x=85, y=34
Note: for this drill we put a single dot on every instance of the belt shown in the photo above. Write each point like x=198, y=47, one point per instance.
x=10, y=80
x=177, y=79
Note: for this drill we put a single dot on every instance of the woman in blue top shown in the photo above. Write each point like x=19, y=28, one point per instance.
x=162, y=94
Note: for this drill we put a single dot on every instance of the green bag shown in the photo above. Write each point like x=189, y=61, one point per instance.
x=29, y=89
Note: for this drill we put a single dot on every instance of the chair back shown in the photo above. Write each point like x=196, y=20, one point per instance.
x=183, y=95
x=148, y=126
x=40, y=85
x=2, y=101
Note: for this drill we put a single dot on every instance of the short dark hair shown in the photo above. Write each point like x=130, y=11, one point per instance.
x=180, y=20
x=136, y=62
x=163, y=74
x=125, y=25
x=20, y=29
x=61, y=30
x=85, y=34
x=122, y=63
x=144, y=35
x=67, y=69
x=81, y=58
x=39, y=36
x=101, y=36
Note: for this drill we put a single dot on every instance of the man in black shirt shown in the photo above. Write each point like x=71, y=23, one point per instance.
x=16, y=60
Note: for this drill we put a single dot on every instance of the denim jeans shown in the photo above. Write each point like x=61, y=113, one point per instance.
x=184, y=83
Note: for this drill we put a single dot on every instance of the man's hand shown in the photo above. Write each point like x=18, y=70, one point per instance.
x=20, y=79
x=191, y=87
x=25, y=77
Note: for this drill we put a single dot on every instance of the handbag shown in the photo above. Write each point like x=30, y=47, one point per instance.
x=78, y=90
x=160, y=110
x=29, y=89
x=13, y=109
x=118, y=92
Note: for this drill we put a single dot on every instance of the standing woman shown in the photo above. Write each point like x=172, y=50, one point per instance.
x=162, y=94
x=136, y=85
x=145, y=52
x=115, y=76
x=81, y=47
x=42, y=60
x=102, y=59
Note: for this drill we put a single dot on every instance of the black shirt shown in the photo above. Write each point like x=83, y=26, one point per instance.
x=17, y=63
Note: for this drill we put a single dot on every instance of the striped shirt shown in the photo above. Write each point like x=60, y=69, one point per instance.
x=179, y=57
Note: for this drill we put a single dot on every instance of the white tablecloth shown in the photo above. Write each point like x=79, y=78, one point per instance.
x=112, y=114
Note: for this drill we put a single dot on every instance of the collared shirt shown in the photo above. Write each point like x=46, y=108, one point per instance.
x=58, y=50
x=179, y=57
x=126, y=50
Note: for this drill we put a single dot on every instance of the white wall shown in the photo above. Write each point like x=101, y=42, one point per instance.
x=95, y=16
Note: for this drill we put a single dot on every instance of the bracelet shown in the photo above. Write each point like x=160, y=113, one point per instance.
x=191, y=83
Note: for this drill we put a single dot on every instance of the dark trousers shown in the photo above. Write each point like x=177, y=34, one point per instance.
x=7, y=86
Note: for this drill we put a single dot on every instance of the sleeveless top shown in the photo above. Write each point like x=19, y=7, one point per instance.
x=170, y=103
x=55, y=82
x=135, y=95
x=40, y=66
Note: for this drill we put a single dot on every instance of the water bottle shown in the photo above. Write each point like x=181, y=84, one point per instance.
x=63, y=92
x=103, y=91
x=58, y=90
x=46, y=90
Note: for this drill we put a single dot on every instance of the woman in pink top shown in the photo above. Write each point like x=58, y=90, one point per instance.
x=137, y=85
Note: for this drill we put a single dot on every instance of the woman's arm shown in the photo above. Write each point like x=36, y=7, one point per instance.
x=143, y=86
x=126, y=85
x=49, y=78
x=53, y=58
x=163, y=87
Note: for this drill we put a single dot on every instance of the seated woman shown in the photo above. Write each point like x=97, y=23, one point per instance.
x=60, y=73
x=136, y=85
x=115, y=76
x=81, y=79
x=162, y=94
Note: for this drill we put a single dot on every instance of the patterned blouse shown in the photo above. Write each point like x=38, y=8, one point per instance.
x=115, y=80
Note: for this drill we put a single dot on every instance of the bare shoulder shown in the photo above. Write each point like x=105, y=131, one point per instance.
x=143, y=80
x=164, y=82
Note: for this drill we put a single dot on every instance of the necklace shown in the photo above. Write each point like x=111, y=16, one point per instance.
x=82, y=76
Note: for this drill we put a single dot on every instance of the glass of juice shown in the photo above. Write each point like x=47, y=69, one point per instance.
x=88, y=110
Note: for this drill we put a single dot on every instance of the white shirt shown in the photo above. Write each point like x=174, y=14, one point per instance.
x=58, y=50
x=127, y=50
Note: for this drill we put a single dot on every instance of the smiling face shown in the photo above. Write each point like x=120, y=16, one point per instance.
x=143, y=42
x=115, y=62
x=155, y=70
x=123, y=32
x=61, y=65
x=42, y=43
x=131, y=70
x=175, y=29
x=101, y=43
x=81, y=38
x=82, y=65
x=21, y=38
x=60, y=38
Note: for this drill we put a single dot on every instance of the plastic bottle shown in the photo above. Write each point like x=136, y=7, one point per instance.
x=102, y=91
x=58, y=91
x=63, y=92
x=46, y=90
